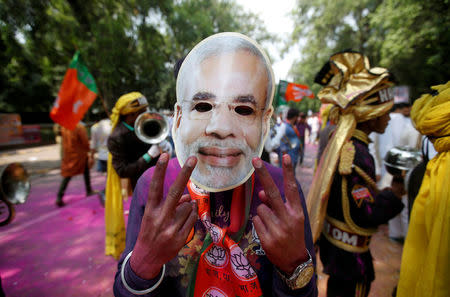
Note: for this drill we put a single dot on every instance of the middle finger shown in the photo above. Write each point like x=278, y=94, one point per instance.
x=270, y=188
x=177, y=188
x=290, y=183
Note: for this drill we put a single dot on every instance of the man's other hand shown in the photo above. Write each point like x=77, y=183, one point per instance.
x=166, y=223
x=280, y=225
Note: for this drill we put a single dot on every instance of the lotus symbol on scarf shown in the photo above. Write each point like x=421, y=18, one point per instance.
x=216, y=255
x=241, y=265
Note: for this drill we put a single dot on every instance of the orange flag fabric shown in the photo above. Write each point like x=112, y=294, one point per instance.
x=296, y=92
x=76, y=94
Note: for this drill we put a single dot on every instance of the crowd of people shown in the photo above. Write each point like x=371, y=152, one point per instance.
x=216, y=208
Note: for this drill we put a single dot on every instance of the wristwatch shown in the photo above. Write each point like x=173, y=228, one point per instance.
x=301, y=276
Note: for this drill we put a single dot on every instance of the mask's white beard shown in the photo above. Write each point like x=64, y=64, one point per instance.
x=217, y=177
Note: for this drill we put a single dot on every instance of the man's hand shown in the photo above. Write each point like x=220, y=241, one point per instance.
x=154, y=151
x=398, y=186
x=280, y=225
x=166, y=222
x=165, y=146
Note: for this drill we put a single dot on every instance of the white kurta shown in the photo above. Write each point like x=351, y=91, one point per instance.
x=399, y=132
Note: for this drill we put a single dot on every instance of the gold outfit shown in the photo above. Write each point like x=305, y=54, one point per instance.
x=354, y=90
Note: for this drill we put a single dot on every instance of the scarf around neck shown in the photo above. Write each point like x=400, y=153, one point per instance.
x=222, y=268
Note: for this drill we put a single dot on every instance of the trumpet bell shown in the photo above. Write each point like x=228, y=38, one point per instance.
x=15, y=183
x=151, y=127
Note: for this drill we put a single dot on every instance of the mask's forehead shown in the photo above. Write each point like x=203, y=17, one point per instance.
x=228, y=62
x=229, y=77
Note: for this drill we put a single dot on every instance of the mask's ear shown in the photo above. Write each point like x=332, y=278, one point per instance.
x=266, y=121
x=177, y=118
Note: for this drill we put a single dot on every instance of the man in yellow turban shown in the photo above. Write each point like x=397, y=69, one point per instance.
x=344, y=203
x=129, y=157
x=425, y=268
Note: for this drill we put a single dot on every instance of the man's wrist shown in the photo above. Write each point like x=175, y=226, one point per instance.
x=142, y=267
x=147, y=157
x=301, y=275
x=134, y=283
x=288, y=270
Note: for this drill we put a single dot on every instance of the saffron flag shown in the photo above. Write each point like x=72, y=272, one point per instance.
x=76, y=94
x=292, y=92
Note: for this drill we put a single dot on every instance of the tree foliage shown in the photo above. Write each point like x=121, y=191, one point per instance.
x=410, y=37
x=413, y=40
x=127, y=45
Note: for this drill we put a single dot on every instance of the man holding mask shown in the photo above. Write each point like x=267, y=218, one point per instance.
x=238, y=233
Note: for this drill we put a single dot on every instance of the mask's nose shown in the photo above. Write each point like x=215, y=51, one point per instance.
x=221, y=123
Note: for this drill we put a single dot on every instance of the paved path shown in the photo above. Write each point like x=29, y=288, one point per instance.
x=50, y=251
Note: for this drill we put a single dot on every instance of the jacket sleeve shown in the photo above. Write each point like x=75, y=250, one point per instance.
x=369, y=208
x=122, y=164
x=134, y=224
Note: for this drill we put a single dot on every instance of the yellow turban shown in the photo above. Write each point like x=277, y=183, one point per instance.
x=126, y=104
x=357, y=93
x=431, y=116
x=425, y=267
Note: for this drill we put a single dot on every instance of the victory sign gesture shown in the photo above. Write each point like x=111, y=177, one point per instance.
x=166, y=222
x=279, y=224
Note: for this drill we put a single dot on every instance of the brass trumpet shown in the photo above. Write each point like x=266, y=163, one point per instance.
x=151, y=127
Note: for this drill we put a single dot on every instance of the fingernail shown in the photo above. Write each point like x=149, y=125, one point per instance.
x=190, y=162
x=257, y=162
x=286, y=159
x=163, y=158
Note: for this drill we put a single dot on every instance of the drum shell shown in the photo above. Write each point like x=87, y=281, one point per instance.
x=14, y=183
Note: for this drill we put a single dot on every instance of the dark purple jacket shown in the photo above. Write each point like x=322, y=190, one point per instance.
x=366, y=213
x=127, y=151
x=176, y=277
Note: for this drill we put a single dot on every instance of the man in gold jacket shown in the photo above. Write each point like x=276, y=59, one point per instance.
x=344, y=203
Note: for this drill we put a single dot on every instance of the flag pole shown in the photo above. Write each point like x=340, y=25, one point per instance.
x=277, y=101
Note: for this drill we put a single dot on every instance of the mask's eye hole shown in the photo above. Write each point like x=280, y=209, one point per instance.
x=244, y=110
x=203, y=107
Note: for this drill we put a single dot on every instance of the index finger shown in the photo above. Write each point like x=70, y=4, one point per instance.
x=177, y=188
x=290, y=183
x=269, y=186
x=156, y=184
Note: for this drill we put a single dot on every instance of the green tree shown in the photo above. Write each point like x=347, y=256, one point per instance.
x=411, y=38
x=127, y=45
x=326, y=27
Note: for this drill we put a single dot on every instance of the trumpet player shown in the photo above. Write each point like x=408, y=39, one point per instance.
x=129, y=157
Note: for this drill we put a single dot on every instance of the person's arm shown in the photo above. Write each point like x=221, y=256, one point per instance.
x=156, y=231
x=283, y=229
x=373, y=208
x=121, y=163
x=275, y=142
x=83, y=138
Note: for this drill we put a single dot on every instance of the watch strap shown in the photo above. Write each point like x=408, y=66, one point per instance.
x=291, y=281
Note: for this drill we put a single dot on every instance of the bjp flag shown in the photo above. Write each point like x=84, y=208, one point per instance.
x=76, y=94
x=296, y=92
x=288, y=91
